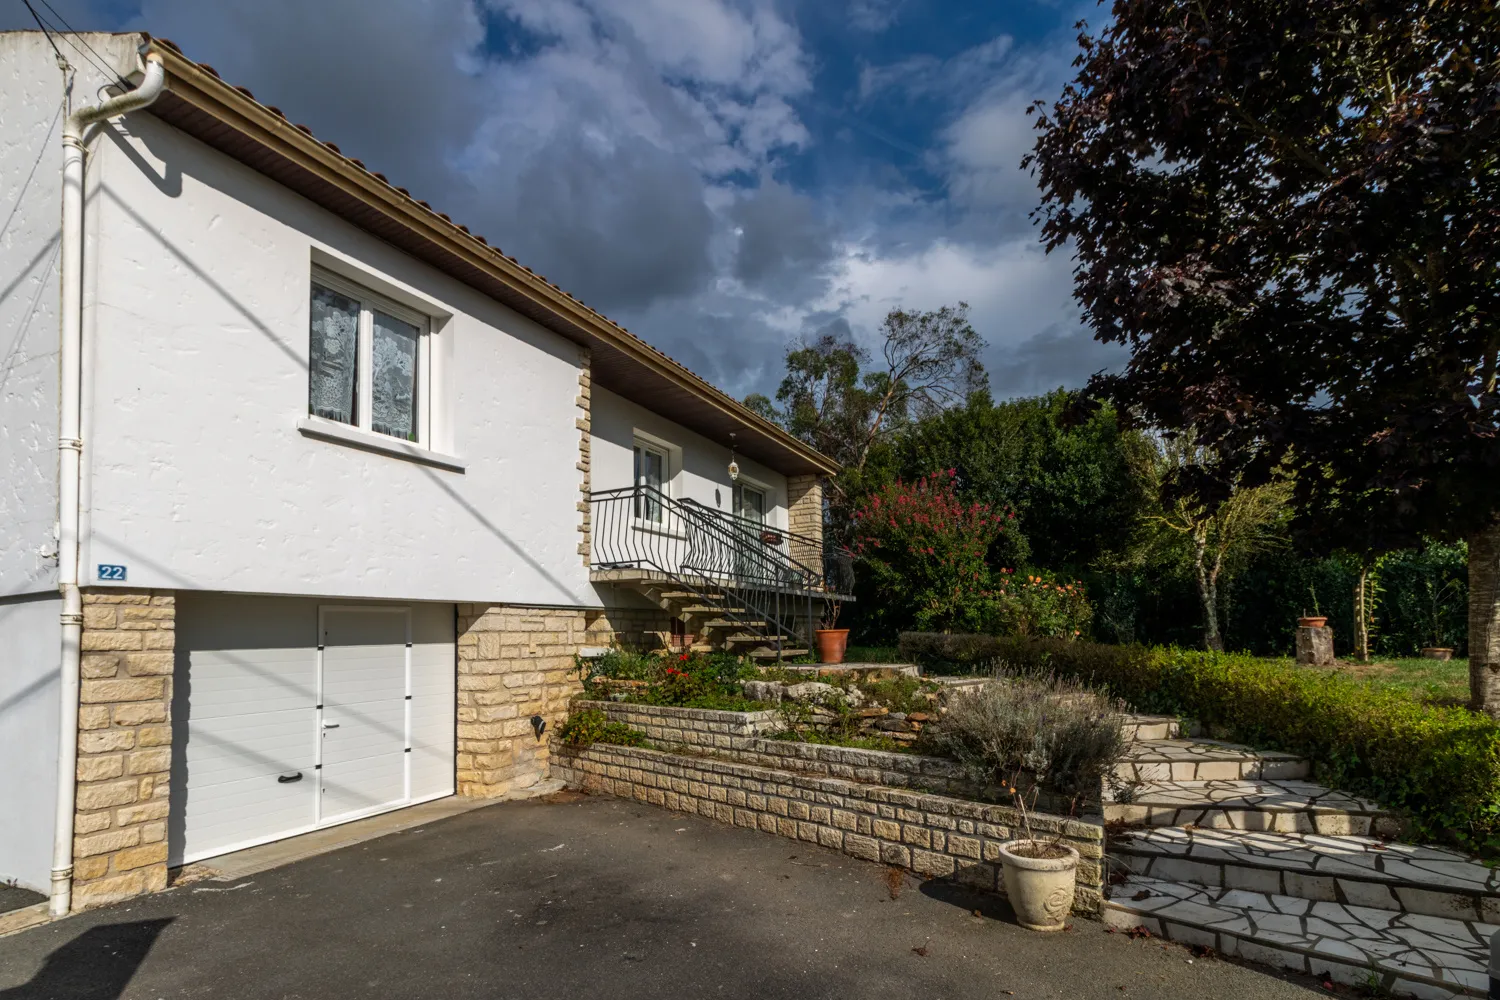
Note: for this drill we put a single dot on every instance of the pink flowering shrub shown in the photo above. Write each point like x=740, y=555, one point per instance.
x=922, y=553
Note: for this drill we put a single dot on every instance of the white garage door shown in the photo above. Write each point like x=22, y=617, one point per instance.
x=292, y=714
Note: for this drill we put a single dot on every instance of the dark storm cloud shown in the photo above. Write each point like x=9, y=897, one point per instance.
x=620, y=227
x=782, y=238
x=1049, y=359
x=638, y=154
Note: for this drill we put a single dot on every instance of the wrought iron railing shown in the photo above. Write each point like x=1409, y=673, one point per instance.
x=742, y=568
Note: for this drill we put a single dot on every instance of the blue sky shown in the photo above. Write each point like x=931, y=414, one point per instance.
x=723, y=177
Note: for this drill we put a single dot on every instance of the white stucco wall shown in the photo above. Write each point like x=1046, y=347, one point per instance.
x=30, y=654
x=699, y=467
x=30, y=227
x=198, y=476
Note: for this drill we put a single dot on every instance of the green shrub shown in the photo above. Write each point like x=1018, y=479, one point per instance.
x=684, y=680
x=585, y=728
x=1438, y=766
x=1065, y=736
x=1038, y=604
x=947, y=652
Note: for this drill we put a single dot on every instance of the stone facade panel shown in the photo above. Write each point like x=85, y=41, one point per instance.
x=514, y=663
x=124, y=746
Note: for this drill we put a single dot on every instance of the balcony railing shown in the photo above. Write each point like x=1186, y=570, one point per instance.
x=777, y=577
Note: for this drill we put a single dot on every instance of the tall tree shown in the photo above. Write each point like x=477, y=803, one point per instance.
x=1213, y=530
x=1070, y=482
x=844, y=404
x=1290, y=212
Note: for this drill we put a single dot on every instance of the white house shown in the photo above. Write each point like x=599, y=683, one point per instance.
x=311, y=496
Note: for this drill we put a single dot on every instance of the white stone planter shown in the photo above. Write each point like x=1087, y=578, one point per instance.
x=1040, y=889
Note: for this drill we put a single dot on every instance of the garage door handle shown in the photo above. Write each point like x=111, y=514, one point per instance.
x=287, y=779
x=330, y=725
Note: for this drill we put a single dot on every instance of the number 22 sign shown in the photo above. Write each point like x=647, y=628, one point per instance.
x=108, y=571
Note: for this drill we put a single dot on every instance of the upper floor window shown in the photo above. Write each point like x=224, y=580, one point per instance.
x=750, y=503
x=368, y=361
x=650, y=481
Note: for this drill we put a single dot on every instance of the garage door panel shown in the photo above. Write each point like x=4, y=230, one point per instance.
x=431, y=771
x=246, y=702
x=433, y=695
x=364, y=709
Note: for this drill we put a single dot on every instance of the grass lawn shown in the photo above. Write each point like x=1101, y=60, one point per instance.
x=1432, y=681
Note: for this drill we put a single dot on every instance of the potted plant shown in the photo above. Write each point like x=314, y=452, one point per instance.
x=831, y=641
x=1040, y=874
x=1021, y=731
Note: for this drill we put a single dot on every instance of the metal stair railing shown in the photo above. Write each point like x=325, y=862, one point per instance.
x=723, y=560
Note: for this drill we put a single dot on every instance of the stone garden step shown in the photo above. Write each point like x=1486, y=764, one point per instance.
x=1204, y=760
x=1395, y=954
x=770, y=654
x=1385, y=875
x=732, y=623
x=1152, y=727
x=1283, y=806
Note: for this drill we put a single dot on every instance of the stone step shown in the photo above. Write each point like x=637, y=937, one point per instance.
x=1152, y=727
x=1385, y=875
x=748, y=637
x=1204, y=760
x=686, y=595
x=1279, y=806
x=770, y=654
x=733, y=623
x=1399, y=954
x=709, y=609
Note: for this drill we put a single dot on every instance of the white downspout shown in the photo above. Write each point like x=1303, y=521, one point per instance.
x=70, y=453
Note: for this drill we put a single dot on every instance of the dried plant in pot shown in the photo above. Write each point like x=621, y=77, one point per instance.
x=1023, y=734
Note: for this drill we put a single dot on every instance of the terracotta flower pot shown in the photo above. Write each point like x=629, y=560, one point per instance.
x=1040, y=890
x=1312, y=621
x=831, y=644
x=1437, y=652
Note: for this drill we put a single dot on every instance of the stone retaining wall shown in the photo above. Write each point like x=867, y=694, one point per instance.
x=928, y=834
x=740, y=736
x=696, y=727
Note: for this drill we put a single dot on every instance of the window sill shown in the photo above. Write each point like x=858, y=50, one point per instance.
x=332, y=430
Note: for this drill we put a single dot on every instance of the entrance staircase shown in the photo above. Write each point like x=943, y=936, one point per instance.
x=1232, y=849
x=736, y=584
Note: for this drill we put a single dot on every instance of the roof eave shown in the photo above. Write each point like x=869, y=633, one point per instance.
x=190, y=83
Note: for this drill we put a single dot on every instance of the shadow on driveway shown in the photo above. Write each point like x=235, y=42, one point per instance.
x=96, y=965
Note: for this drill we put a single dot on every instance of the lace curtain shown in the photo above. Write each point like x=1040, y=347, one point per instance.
x=334, y=356
x=393, y=367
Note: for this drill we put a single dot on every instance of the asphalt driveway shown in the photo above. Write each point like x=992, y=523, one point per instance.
x=582, y=897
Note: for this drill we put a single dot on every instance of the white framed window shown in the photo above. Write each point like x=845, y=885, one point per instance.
x=652, y=476
x=750, y=502
x=369, y=361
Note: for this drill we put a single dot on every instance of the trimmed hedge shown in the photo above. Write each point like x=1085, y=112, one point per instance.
x=1438, y=766
x=950, y=652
